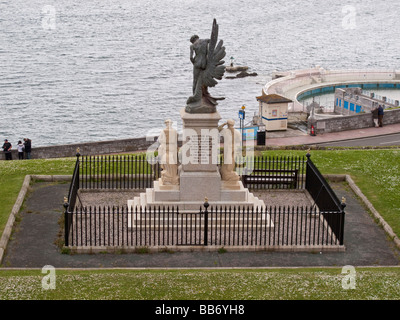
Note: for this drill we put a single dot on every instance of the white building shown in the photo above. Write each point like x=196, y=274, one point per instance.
x=273, y=111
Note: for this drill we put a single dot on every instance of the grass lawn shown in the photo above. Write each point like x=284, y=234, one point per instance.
x=246, y=284
x=376, y=172
x=12, y=174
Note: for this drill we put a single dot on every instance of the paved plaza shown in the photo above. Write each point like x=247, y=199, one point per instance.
x=33, y=243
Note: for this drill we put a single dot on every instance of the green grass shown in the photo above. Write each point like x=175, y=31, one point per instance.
x=246, y=284
x=376, y=172
x=12, y=174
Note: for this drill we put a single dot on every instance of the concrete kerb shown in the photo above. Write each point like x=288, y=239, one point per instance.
x=375, y=213
x=11, y=219
x=368, y=204
x=18, y=204
x=201, y=248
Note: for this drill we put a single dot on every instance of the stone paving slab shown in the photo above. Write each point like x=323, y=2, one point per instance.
x=33, y=242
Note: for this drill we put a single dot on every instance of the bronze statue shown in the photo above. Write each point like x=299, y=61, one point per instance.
x=208, y=65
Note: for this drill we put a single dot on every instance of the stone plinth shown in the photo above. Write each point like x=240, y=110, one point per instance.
x=199, y=152
x=173, y=197
x=195, y=186
x=199, y=175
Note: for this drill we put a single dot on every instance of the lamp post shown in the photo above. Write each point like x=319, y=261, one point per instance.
x=242, y=116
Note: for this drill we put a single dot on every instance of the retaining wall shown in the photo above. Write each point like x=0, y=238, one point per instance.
x=357, y=121
x=87, y=148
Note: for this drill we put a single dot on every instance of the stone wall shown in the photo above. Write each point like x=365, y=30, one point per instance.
x=357, y=121
x=366, y=103
x=87, y=148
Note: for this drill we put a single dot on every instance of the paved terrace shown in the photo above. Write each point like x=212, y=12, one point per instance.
x=34, y=242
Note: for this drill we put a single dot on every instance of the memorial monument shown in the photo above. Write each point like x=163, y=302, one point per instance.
x=197, y=176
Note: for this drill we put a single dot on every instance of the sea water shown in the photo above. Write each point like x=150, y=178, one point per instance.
x=77, y=71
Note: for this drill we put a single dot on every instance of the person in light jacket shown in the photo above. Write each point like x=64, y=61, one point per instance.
x=375, y=116
x=20, y=148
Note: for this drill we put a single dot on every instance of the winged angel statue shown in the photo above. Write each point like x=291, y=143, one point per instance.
x=208, y=65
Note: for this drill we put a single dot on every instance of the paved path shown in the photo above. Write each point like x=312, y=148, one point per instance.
x=381, y=141
x=33, y=242
x=332, y=137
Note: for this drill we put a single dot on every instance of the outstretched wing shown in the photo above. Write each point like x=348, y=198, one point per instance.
x=215, y=65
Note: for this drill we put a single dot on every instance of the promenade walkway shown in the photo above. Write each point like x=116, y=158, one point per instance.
x=287, y=139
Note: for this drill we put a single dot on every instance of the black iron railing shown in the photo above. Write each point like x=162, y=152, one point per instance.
x=118, y=171
x=270, y=172
x=275, y=226
x=320, y=224
x=140, y=171
x=70, y=201
x=325, y=199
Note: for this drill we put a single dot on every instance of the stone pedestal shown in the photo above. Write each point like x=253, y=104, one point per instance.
x=199, y=176
x=199, y=152
x=196, y=186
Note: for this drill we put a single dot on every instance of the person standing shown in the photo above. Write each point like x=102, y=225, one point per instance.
x=28, y=147
x=20, y=148
x=380, y=116
x=375, y=116
x=7, y=149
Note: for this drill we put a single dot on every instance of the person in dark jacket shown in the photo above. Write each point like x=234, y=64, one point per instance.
x=380, y=116
x=7, y=149
x=28, y=148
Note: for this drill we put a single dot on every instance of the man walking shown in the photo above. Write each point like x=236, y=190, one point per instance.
x=7, y=149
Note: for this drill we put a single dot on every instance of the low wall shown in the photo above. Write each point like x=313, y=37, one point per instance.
x=297, y=116
x=357, y=121
x=87, y=148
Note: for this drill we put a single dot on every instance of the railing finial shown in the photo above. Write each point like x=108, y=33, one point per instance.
x=206, y=204
x=66, y=204
x=343, y=204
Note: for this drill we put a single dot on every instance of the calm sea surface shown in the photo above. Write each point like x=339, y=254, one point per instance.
x=76, y=71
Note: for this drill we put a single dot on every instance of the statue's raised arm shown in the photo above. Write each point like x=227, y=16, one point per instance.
x=206, y=56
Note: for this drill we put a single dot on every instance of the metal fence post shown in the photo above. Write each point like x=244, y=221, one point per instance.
x=342, y=214
x=66, y=222
x=206, y=205
x=78, y=164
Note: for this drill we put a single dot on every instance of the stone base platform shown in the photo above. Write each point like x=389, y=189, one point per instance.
x=231, y=195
